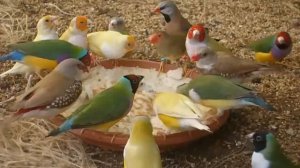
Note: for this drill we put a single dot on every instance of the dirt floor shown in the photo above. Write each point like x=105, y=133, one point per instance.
x=235, y=22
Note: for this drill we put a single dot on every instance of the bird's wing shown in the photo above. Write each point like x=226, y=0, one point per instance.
x=263, y=45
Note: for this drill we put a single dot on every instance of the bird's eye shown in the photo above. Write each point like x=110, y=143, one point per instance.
x=162, y=8
x=81, y=22
x=128, y=44
x=47, y=20
x=204, y=55
x=258, y=138
x=159, y=35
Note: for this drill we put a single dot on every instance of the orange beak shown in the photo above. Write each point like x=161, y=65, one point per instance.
x=156, y=10
x=153, y=39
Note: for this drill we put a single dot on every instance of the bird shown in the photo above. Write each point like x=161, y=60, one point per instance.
x=105, y=109
x=118, y=24
x=76, y=33
x=141, y=149
x=221, y=93
x=273, y=48
x=267, y=152
x=175, y=23
x=46, y=54
x=46, y=30
x=223, y=63
x=197, y=37
x=55, y=92
x=111, y=44
x=169, y=47
x=177, y=111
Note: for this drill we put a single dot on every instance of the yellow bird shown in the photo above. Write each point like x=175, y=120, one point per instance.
x=177, y=111
x=111, y=44
x=77, y=32
x=141, y=150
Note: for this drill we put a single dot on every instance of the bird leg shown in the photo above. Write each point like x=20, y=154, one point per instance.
x=8, y=100
x=163, y=60
x=29, y=80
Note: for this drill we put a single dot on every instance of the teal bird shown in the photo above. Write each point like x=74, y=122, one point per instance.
x=46, y=54
x=267, y=152
x=105, y=109
x=272, y=48
x=221, y=93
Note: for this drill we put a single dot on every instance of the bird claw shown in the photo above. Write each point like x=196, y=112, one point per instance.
x=29, y=80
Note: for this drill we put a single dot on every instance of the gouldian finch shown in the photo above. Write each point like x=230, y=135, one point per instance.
x=272, y=48
x=212, y=62
x=105, y=109
x=175, y=23
x=45, y=31
x=117, y=24
x=267, y=152
x=198, y=37
x=111, y=44
x=77, y=32
x=46, y=54
x=56, y=91
x=221, y=93
x=176, y=111
x=168, y=46
x=141, y=150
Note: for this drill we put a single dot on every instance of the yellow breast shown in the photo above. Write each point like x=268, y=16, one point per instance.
x=40, y=62
x=104, y=127
x=264, y=57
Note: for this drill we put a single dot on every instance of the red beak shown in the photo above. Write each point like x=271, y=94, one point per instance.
x=195, y=58
x=153, y=39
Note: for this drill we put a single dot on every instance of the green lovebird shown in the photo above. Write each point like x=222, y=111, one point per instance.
x=105, y=109
x=46, y=54
x=267, y=152
x=221, y=93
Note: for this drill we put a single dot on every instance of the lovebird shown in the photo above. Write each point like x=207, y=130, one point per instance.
x=55, y=92
x=77, y=32
x=118, y=24
x=267, y=152
x=212, y=62
x=272, y=48
x=46, y=54
x=141, y=150
x=105, y=109
x=111, y=44
x=169, y=47
x=197, y=37
x=175, y=23
x=176, y=111
x=46, y=30
x=221, y=93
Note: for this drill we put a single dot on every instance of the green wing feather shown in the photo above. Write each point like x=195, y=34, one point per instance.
x=274, y=153
x=263, y=45
x=49, y=49
x=108, y=105
x=217, y=87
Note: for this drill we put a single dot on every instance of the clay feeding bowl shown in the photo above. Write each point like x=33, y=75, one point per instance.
x=117, y=141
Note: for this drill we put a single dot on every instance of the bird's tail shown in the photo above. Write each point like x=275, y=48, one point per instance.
x=259, y=102
x=195, y=124
x=67, y=125
x=14, y=56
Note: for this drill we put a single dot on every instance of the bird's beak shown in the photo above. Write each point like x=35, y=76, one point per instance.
x=153, y=39
x=156, y=11
x=250, y=136
x=195, y=58
x=196, y=33
x=281, y=40
x=55, y=20
x=83, y=68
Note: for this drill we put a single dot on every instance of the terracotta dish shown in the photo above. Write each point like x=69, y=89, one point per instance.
x=117, y=141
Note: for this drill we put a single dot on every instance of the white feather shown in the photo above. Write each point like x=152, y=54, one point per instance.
x=258, y=161
x=189, y=122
